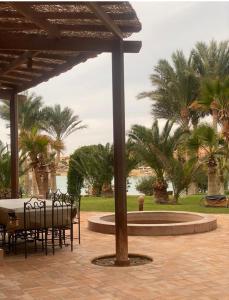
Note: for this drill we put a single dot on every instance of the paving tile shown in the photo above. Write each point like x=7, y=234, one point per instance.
x=183, y=268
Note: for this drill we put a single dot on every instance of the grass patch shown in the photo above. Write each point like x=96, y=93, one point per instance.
x=188, y=203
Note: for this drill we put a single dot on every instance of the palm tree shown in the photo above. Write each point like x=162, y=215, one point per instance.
x=214, y=97
x=149, y=143
x=209, y=147
x=60, y=123
x=5, y=162
x=176, y=86
x=29, y=115
x=211, y=61
x=4, y=167
x=29, y=112
x=95, y=164
x=41, y=151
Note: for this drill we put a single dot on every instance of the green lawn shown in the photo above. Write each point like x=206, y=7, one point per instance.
x=189, y=203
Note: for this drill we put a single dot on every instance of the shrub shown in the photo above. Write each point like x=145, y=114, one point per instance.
x=145, y=185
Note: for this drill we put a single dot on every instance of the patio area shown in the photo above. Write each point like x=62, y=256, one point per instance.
x=184, y=267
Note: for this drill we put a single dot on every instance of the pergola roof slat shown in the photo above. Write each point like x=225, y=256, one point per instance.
x=31, y=15
x=69, y=15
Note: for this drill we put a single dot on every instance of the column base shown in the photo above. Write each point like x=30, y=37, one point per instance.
x=122, y=263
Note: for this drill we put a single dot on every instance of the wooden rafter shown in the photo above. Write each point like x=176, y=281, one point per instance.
x=69, y=15
x=106, y=20
x=29, y=14
x=17, y=62
x=8, y=26
x=5, y=94
x=41, y=43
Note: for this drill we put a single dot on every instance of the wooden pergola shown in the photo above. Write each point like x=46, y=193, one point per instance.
x=40, y=40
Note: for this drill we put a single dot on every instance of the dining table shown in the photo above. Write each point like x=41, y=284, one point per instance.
x=12, y=213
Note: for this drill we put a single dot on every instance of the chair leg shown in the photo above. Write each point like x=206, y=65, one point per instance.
x=60, y=238
x=46, y=241
x=71, y=236
x=25, y=237
x=53, y=246
x=79, y=228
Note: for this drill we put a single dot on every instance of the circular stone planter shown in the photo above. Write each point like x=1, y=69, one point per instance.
x=156, y=223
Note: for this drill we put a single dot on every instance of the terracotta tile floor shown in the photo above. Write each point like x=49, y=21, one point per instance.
x=184, y=267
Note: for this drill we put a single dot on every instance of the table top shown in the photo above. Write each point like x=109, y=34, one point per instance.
x=15, y=204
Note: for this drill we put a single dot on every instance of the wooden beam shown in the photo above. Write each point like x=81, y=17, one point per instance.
x=106, y=20
x=8, y=26
x=69, y=15
x=14, y=146
x=17, y=62
x=31, y=15
x=42, y=43
x=14, y=83
x=19, y=78
x=119, y=154
x=5, y=94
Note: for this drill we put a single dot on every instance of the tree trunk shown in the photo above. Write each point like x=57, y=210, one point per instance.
x=42, y=182
x=221, y=188
x=27, y=182
x=225, y=129
x=214, y=119
x=35, y=191
x=213, y=186
x=175, y=198
x=160, y=192
x=53, y=173
x=53, y=181
x=107, y=190
x=96, y=190
x=221, y=184
x=192, y=189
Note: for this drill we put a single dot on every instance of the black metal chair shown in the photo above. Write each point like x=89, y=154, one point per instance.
x=35, y=228
x=28, y=227
x=62, y=222
x=5, y=194
x=58, y=195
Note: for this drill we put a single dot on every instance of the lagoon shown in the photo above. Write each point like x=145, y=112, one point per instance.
x=61, y=182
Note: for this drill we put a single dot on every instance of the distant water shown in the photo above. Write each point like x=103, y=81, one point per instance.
x=61, y=182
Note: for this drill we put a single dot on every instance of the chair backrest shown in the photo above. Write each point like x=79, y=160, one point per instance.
x=58, y=195
x=62, y=212
x=34, y=214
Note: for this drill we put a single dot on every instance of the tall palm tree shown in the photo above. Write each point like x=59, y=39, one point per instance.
x=211, y=60
x=29, y=115
x=214, y=97
x=60, y=123
x=176, y=86
x=29, y=112
x=206, y=143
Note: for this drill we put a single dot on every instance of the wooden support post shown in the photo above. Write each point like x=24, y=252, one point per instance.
x=14, y=146
x=119, y=154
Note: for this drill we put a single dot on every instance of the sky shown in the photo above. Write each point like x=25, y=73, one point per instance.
x=87, y=88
